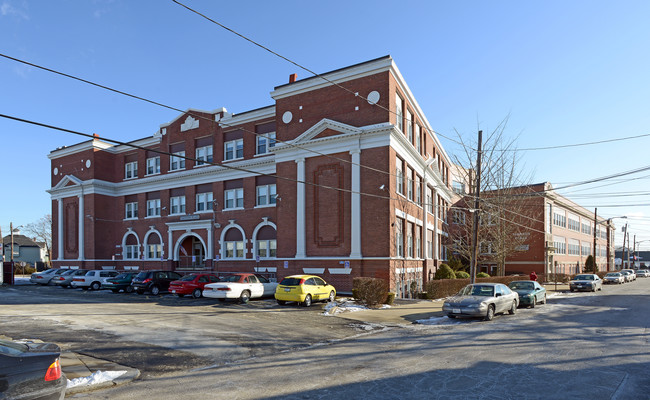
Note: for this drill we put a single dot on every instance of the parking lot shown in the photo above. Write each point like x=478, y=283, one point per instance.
x=164, y=333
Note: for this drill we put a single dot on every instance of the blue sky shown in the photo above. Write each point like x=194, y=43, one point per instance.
x=564, y=71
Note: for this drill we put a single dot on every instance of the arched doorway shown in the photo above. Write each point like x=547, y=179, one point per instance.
x=190, y=252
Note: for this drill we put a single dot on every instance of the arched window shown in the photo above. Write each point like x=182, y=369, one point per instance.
x=233, y=244
x=265, y=242
x=131, y=247
x=153, y=246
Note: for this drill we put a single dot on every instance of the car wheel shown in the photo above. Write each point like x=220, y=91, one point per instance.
x=307, y=302
x=532, y=305
x=332, y=296
x=281, y=302
x=95, y=285
x=129, y=289
x=513, y=308
x=490, y=313
x=544, y=299
x=244, y=296
x=196, y=293
x=115, y=290
x=155, y=290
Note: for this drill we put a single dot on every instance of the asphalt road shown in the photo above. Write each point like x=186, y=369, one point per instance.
x=580, y=346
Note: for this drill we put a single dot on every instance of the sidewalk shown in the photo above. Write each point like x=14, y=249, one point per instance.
x=409, y=311
x=90, y=373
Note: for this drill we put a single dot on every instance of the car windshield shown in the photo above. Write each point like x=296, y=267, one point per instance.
x=69, y=272
x=231, y=278
x=142, y=275
x=122, y=276
x=477, y=290
x=614, y=274
x=12, y=348
x=291, y=281
x=188, y=278
x=584, y=278
x=521, y=285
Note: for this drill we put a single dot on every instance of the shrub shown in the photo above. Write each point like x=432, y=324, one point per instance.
x=390, y=298
x=445, y=272
x=462, y=275
x=370, y=291
x=355, y=293
x=482, y=275
x=455, y=264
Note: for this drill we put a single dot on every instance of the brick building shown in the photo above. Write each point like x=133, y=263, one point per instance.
x=555, y=235
x=342, y=176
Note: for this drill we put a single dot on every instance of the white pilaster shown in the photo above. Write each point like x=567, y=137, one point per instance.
x=300, y=208
x=210, y=242
x=355, y=206
x=170, y=247
x=82, y=217
x=435, y=226
x=60, y=230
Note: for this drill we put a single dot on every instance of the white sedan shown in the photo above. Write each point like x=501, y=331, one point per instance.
x=242, y=286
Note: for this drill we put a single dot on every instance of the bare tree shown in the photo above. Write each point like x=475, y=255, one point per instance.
x=41, y=230
x=504, y=216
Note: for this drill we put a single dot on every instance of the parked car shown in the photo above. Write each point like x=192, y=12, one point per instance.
x=31, y=371
x=632, y=272
x=530, y=292
x=591, y=282
x=627, y=276
x=304, y=289
x=93, y=279
x=154, y=281
x=481, y=300
x=192, y=284
x=44, y=277
x=243, y=286
x=120, y=282
x=64, y=279
x=614, y=277
x=643, y=273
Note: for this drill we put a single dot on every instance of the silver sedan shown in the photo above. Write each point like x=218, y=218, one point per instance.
x=590, y=282
x=482, y=300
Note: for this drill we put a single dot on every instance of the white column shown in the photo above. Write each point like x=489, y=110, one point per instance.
x=170, y=247
x=60, y=230
x=210, y=251
x=300, y=209
x=81, y=226
x=355, y=206
x=435, y=225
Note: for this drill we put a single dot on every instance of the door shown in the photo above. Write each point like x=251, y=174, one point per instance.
x=256, y=288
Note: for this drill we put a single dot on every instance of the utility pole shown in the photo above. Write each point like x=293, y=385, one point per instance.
x=626, y=253
x=634, y=253
x=477, y=205
x=595, y=229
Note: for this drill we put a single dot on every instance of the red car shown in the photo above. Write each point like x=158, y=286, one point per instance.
x=192, y=284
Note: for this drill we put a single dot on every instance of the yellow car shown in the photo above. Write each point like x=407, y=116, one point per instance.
x=304, y=289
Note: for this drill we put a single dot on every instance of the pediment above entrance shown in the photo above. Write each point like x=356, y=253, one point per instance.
x=327, y=128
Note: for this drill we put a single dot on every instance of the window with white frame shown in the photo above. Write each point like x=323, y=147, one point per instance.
x=234, y=198
x=234, y=149
x=409, y=239
x=399, y=238
x=399, y=112
x=430, y=243
x=486, y=247
x=204, y=202
x=559, y=218
x=266, y=243
x=573, y=222
x=233, y=244
x=429, y=200
x=399, y=176
x=177, y=161
x=153, y=165
x=585, y=248
x=131, y=252
x=266, y=194
x=177, y=204
x=458, y=217
x=154, y=251
x=458, y=187
x=265, y=142
x=131, y=210
x=559, y=243
x=409, y=126
x=586, y=228
x=203, y=155
x=418, y=242
x=418, y=190
x=418, y=139
x=153, y=208
x=573, y=247
x=131, y=170
x=409, y=184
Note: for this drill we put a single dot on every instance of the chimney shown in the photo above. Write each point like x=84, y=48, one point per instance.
x=293, y=78
x=95, y=136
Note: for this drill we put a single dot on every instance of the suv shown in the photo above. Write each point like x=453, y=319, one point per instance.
x=92, y=279
x=154, y=281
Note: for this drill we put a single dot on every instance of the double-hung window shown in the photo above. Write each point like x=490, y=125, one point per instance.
x=204, y=202
x=399, y=237
x=203, y=155
x=234, y=149
x=177, y=204
x=399, y=113
x=409, y=126
x=131, y=210
x=266, y=195
x=265, y=142
x=399, y=176
x=177, y=161
x=153, y=165
x=409, y=184
x=418, y=138
x=234, y=198
x=153, y=208
x=131, y=170
x=131, y=251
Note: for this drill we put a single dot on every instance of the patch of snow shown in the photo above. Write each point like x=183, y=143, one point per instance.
x=445, y=320
x=346, y=305
x=95, y=378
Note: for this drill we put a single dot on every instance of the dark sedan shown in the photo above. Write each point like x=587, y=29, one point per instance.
x=120, y=282
x=530, y=292
x=154, y=281
x=31, y=371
